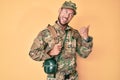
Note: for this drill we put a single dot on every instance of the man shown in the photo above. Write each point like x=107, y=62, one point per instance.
x=75, y=43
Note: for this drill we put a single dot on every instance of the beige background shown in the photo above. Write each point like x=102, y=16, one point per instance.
x=21, y=21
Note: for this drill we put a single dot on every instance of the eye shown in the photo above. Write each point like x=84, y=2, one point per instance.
x=71, y=14
x=65, y=11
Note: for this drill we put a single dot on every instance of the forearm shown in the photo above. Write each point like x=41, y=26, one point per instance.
x=39, y=55
x=85, y=49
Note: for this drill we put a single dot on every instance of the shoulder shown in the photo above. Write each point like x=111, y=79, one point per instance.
x=75, y=32
x=44, y=33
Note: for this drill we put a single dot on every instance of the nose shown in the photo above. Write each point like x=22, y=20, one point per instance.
x=66, y=15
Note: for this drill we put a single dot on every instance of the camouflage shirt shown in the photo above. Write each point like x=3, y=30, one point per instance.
x=43, y=43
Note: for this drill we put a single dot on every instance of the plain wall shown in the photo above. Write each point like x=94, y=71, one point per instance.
x=21, y=21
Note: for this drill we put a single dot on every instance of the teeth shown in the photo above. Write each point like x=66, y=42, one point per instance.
x=64, y=19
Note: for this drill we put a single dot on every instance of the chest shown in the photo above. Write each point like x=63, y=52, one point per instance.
x=68, y=42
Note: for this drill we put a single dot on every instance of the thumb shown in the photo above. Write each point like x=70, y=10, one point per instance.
x=88, y=26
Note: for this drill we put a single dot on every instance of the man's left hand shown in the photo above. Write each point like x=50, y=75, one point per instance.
x=84, y=32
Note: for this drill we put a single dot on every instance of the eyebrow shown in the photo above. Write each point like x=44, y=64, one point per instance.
x=67, y=11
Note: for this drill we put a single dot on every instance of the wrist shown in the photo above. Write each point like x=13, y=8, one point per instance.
x=88, y=39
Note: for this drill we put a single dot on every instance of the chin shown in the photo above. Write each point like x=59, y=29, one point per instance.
x=63, y=22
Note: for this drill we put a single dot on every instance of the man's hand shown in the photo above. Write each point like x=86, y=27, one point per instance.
x=56, y=50
x=84, y=32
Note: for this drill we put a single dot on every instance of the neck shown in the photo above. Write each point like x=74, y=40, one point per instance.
x=63, y=26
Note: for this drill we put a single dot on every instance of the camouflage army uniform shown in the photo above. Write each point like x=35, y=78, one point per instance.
x=67, y=60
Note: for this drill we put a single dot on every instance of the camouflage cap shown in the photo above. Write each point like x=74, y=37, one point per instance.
x=69, y=4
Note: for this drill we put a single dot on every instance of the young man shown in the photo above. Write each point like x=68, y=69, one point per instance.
x=70, y=42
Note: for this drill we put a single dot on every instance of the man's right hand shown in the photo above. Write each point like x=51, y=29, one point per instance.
x=56, y=50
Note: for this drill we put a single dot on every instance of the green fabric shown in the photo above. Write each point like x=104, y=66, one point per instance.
x=69, y=4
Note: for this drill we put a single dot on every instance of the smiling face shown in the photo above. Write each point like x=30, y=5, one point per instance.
x=65, y=16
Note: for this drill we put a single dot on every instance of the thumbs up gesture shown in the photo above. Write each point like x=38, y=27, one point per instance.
x=84, y=32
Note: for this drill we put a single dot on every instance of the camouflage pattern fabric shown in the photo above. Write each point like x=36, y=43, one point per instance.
x=60, y=76
x=70, y=5
x=43, y=43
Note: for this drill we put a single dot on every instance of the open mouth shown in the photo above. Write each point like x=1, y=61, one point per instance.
x=64, y=19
